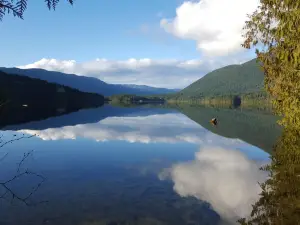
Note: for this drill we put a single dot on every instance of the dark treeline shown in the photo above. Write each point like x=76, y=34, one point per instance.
x=247, y=100
x=25, y=98
x=19, y=90
x=134, y=99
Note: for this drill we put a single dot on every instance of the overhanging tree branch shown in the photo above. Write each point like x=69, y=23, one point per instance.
x=18, y=8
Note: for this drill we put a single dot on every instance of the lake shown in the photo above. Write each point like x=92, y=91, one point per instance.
x=140, y=165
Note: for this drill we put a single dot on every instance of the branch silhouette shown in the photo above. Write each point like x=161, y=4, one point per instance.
x=9, y=193
x=17, y=8
x=13, y=140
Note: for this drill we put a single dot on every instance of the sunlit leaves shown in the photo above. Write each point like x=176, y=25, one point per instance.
x=280, y=198
x=281, y=55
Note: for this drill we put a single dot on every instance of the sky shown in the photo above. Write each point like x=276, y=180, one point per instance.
x=129, y=41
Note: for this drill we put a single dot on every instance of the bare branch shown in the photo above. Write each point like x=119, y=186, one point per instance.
x=3, y=157
x=9, y=192
x=16, y=139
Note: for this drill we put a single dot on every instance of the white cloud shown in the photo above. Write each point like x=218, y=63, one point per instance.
x=223, y=177
x=216, y=25
x=158, y=73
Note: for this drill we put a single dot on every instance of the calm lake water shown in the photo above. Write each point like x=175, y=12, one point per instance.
x=137, y=165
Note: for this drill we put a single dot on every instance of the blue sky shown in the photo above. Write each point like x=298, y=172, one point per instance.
x=102, y=28
x=118, y=31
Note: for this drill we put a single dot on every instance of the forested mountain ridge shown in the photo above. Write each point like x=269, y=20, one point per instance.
x=229, y=80
x=22, y=98
x=20, y=90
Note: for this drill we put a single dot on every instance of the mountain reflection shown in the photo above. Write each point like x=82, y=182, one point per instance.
x=154, y=126
x=170, y=128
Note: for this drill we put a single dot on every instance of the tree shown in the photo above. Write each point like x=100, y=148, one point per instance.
x=17, y=8
x=279, y=201
x=275, y=28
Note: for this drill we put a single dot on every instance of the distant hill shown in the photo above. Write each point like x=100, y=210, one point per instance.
x=229, y=80
x=151, y=89
x=86, y=84
x=39, y=99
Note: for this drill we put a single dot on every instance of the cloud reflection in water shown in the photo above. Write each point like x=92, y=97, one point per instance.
x=220, y=174
x=167, y=128
x=225, y=178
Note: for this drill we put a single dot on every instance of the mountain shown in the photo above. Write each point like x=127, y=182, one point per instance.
x=229, y=80
x=154, y=90
x=86, y=84
x=21, y=97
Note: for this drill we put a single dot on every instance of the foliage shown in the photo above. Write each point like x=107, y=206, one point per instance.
x=249, y=100
x=134, y=99
x=276, y=26
x=279, y=201
x=121, y=98
x=17, y=8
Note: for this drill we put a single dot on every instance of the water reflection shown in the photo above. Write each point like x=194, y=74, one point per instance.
x=167, y=128
x=132, y=166
x=280, y=196
x=137, y=125
x=9, y=180
x=225, y=178
x=255, y=127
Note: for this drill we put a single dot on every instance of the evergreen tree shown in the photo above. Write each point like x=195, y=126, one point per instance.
x=17, y=8
x=275, y=28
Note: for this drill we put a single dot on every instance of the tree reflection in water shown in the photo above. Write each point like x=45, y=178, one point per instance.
x=7, y=193
x=279, y=201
